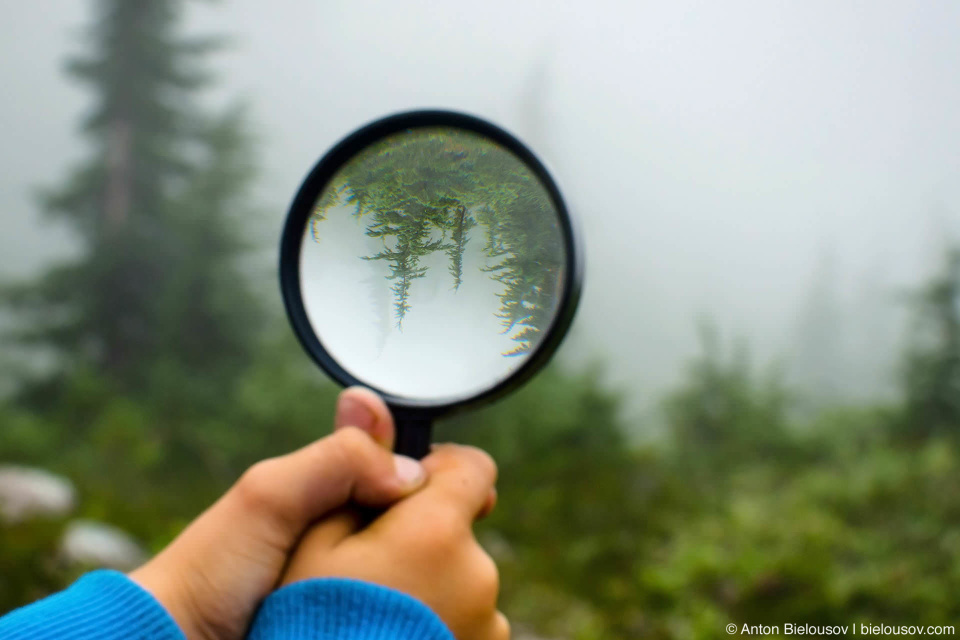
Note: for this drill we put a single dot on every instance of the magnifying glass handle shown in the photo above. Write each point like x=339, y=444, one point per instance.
x=413, y=435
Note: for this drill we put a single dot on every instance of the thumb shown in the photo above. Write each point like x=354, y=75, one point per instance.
x=290, y=492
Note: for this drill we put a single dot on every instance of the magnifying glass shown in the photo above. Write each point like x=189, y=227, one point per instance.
x=430, y=257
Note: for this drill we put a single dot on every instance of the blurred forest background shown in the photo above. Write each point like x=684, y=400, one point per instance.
x=149, y=368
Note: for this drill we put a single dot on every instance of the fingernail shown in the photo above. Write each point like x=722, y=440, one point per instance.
x=409, y=471
x=353, y=413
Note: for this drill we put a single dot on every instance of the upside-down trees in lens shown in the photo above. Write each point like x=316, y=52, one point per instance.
x=433, y=190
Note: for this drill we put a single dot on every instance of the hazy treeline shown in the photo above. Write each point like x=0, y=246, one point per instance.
x=165, y=377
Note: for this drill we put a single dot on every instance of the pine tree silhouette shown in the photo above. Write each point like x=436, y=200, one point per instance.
x=460, y=225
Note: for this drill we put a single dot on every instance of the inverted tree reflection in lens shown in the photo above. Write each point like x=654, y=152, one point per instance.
x=448, y=254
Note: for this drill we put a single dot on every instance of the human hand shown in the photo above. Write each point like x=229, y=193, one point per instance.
x=423, y=546
x=214, y=575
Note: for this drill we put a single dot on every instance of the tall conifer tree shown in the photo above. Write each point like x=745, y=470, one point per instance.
x=153, y=206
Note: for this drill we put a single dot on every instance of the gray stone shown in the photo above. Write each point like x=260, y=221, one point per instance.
x=27, y=492
x=96, y=544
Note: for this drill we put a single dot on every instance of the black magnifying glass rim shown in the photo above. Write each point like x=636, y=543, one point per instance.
x=302, y=207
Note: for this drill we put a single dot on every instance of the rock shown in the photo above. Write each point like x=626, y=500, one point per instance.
x=26, y=493
x=96, y=544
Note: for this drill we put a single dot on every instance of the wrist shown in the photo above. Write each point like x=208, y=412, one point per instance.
x=175, y=596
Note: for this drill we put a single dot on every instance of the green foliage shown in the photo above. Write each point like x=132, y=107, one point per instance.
x=28, y=562
x=856, y=536
x=162, y=457
x=426, y=190
x=595, y=539
x=724, y=412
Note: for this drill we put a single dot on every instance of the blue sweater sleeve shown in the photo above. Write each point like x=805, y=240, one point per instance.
x=106, y=605
x=342, y=609
x=103, y=605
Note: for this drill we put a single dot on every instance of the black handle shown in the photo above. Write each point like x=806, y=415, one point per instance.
x=414, y=433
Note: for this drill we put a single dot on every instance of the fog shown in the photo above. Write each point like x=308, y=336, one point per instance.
x=723, y=158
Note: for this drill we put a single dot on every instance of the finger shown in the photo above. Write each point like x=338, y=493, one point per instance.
x=292, y=491
x=489, y=505
x=500, y=628
x=362, y=408
x=461, y=477
x=332, y=530
x=493, y=627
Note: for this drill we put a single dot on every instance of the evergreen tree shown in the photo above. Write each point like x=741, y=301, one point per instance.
x=818, y=362
x=878, y=340
x=153, y=206
x=932, y=365
x=524, y=241
x=460, y=225
x=412, y=243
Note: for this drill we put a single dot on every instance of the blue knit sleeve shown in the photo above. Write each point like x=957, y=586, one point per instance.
x=341, y=609
x=106, y=605
x=103, y=605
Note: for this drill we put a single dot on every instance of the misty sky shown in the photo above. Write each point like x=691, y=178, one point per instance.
x=715, y=152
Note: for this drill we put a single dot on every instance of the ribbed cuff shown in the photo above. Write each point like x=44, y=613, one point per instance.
x=102, y=605
x=341, y=609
